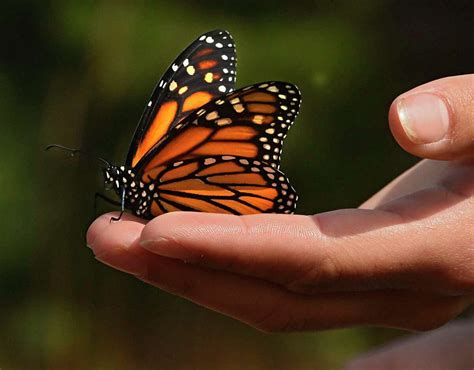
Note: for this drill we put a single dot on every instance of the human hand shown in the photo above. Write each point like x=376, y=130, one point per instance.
x=404, y=259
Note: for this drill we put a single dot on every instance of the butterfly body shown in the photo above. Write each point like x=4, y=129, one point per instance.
x=201, y=146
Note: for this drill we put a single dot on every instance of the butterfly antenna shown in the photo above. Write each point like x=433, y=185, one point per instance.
x=73, y=152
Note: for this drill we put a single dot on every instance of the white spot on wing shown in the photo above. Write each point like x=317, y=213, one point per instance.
x=209, y=161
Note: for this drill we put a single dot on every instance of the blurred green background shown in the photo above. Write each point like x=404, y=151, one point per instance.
x=79, y=73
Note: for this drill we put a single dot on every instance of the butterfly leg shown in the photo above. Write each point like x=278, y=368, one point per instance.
x=111, y=201
x=122, y=207
x=104, y=198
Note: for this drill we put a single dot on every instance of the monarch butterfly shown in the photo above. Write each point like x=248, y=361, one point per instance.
x=201, y=146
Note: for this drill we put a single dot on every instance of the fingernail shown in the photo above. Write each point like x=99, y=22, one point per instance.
x=424, y=117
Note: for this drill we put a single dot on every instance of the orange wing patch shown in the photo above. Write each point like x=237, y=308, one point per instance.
x=260, y=97
x=235, y=133
x=226, y=167
x=164, y=118
x=181, y=144
x=156, y=210
x=196, y=100
x=262, y=204
x=207, y=64
x=203, y=52
x=241, y=149
x=195, y=186
x=241, y=208
x=269, y=193
x=222, y=184
x=196, y=204
x=261, y=108
x=153, y=174
x=181, y=171
x=245, y=178
x=167, y=206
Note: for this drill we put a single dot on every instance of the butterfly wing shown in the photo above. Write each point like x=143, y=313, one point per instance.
x=250, y=123
x=218, y=184
x=204, y=70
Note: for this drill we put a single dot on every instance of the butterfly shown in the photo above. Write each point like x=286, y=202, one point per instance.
x=201, y=146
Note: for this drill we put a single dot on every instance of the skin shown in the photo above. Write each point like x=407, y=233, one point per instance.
x=403, y=259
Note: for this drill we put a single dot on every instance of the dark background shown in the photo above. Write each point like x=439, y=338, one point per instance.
x=79, y=73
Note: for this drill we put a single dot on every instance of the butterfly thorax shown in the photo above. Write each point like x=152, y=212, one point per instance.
x=125, y=182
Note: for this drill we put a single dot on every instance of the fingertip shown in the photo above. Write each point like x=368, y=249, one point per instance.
x=115, y=243
x=97, y=226
x=434, y=120
x=420, y=121
x=103, y=222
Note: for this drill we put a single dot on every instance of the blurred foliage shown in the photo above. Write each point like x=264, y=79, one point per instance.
x=79, y=73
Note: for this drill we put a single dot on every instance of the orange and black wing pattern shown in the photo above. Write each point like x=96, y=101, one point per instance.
x=205, y=70
x=250, y=123
x=218, y=184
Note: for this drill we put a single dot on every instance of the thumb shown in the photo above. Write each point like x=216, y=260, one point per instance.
x=436, y=120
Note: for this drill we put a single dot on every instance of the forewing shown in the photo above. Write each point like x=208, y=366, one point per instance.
x=250, y=123
x=204, y=70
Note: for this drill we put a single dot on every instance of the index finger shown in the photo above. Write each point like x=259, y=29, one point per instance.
x=334, y=251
